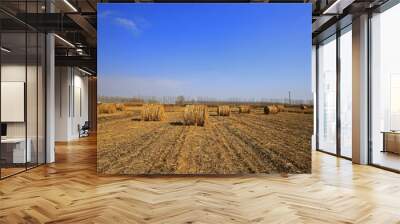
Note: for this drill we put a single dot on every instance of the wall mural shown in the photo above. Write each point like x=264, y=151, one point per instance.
x=204, y=88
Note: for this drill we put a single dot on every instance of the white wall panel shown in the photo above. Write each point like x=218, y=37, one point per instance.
x=12, y=101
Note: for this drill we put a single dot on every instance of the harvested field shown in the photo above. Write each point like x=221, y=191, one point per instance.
x=299, y=110
x=120, y=106
x=237, y=144
x=107, y=108
x=281, y=108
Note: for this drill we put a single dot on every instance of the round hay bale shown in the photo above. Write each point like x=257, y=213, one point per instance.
x=120, y=107
x=195, y=115
x=100, y=108
x=153, y=112
x=244, y=109
x=281, y=108
x=224, y=110
x=303, y=107
x=107, y=108
x=272, y=109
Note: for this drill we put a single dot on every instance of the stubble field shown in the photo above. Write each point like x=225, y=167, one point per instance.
x=236, y=144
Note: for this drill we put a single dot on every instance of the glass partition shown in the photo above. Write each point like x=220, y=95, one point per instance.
x=385, y=89
x=327, y=95
x=31, y=97
x=346, y=92
x=41, y=96
x=14, y=153
x=22, y=77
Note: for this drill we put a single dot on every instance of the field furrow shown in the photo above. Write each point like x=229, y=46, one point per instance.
x=241, y=149
x=125, y=149
x=164, y=159
x=273, y=146
x=287, y=136
x=235, y=144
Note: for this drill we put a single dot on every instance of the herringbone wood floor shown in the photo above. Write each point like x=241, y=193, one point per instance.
x=70, y=191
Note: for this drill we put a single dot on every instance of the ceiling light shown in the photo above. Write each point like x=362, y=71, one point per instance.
x=5, y=50
x=70, y=5
x=84, y=71
x=337, y=7
x=79, y=51
x=64, y=40
x=331, y=7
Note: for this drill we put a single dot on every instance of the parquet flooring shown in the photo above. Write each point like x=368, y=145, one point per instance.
x=70, y=191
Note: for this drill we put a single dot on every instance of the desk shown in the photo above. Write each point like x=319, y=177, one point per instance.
x=391, y=141
x=13, y=150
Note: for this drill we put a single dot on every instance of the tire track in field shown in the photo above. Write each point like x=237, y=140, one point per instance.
x=182, y=159
x=232, y=163
x=145, y=159
x=198, y=156
x=213, y=157
x=181, y=142
x=165, y=162
x=243, y=150
x=283, y=161
x=243, y=164
x=194, y=160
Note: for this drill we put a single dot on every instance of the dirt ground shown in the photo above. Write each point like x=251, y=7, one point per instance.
x=238, y=144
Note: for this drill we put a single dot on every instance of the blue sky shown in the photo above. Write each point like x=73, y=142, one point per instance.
x=249, y=51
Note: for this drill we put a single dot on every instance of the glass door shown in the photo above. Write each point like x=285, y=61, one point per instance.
x=22, y=98
x=346, y=92
x=14, y=153
x=327, y=95
x=385, y=89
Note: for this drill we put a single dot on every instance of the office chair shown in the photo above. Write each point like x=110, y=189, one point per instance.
x=84, y=130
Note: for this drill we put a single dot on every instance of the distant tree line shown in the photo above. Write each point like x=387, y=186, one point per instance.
x=182, y=100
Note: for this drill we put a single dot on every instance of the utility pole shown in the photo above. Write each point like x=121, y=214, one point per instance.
x=290, y=100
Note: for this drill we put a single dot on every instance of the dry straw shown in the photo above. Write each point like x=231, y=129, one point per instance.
x=244, y=109
x=224, y=110
x=153, y=112
x=195, y=115
x=281, y=108
x=107, y=108
x=272, y=109
x=120, y=107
